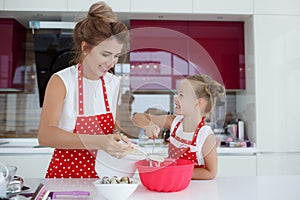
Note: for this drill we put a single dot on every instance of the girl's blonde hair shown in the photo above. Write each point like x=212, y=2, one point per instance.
x=207, y=88
x=100, y=24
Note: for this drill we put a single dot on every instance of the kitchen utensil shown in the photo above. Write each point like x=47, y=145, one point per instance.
x=42, y=193
x=153, y=144
x=153, y=159
x=171, y=176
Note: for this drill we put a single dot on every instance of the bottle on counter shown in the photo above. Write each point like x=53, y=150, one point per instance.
x=241, y=130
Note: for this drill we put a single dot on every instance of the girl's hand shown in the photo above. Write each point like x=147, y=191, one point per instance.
x=115, y=148
x=152, y=130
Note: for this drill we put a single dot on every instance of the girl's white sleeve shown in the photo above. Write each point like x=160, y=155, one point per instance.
x=204, y=132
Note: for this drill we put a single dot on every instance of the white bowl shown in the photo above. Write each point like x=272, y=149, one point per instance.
x=107, y=165
x=116, y=191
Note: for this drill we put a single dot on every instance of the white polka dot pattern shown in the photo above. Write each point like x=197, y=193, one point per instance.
x=185, y=153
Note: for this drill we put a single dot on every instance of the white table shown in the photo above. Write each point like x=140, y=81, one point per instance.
x=221, y=188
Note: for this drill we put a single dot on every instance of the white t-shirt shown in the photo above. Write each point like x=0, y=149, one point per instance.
x=92, y=96
x=202, y=135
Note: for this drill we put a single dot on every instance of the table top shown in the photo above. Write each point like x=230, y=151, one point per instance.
x=220, y=188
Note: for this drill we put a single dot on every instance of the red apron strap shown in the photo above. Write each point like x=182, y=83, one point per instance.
x=80, y=91
x=197, y=131
x=175, y=128
x=105, y=95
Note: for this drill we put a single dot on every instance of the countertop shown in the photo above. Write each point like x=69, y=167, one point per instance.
x=221, y=188
x=31, y=146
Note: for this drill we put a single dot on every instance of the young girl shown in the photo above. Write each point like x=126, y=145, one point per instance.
x=190, y=138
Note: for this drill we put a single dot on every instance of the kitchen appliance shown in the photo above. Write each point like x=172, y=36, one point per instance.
x=53, y=52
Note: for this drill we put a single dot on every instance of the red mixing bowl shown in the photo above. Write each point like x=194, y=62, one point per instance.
x=171, y=176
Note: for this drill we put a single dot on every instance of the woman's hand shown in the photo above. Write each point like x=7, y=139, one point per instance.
x=113, y=146
x=152, y=130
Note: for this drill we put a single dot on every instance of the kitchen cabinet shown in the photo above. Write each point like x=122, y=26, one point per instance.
x=1, y=4
x=277, y=73
x=224, y=7
x=236, y=165
x=34, y=165
x=12, y=54
x=224, y=42
x=177, y=49
x=35, y=5
x=158, y=52
x=274, y=164
x=288, y=7
x=29, y=165
x=79, y=5
x=166, y=6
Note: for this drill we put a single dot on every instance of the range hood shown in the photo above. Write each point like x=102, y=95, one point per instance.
x=51, y=25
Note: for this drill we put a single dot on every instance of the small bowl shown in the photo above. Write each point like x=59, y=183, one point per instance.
x=116, y=191
x=172, y=175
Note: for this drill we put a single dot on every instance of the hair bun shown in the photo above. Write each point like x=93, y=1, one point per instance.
x=101, y=11
x=215, y=89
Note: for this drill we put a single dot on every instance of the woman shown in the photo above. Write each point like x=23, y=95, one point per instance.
x=80, y=106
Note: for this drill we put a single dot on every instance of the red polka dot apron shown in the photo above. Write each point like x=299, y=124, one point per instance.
x=185, y=152
x=80, y=163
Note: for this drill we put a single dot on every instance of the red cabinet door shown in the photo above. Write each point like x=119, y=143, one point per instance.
x=224, y=42
x=6, y=31
x=158, y=51
x=162, y=52
x=12, y=54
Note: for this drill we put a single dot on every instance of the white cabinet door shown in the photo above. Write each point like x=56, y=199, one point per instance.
x=235, y=165
x=35, y=5
x=223, y=7
x=116, y=5
x=29, y=165
x=165, y=6
x=287, y=7
x=277, y=74
x=276, y=164
x=1, y=4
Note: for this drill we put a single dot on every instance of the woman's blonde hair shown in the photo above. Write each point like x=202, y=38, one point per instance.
x=207, y=88
x=100, y=24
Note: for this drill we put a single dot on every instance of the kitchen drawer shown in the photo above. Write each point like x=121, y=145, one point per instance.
x=29, y=165
x=236, y=165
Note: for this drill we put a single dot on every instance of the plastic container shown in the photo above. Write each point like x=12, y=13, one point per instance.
x=241, y=130
x=171, y=176
x=7, y=172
